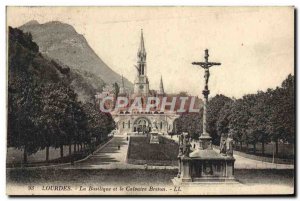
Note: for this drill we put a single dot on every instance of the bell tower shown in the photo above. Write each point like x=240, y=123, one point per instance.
x=141, y=83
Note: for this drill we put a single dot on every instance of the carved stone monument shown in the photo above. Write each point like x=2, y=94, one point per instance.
x=154, y=138
x=154, y=133
x=154, y=126
x=183, y=158
x=205, y=165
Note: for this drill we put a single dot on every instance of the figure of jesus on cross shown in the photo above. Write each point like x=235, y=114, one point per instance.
x=206, y=65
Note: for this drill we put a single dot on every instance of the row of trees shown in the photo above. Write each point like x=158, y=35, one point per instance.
x=263, y=117
x=50, y=116
x=43, y=110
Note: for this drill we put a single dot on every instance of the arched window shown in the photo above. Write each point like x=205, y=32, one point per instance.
x=123, y=124
x=161, y=125
x=128, y=123
x=142, y=67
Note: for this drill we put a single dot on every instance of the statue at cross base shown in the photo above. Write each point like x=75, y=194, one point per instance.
x=229, y=145
x=223, y=144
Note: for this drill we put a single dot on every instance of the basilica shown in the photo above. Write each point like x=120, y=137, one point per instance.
x=143, y=120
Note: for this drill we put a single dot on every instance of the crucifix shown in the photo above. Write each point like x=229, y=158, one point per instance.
x=205, y=139
x=206, y=65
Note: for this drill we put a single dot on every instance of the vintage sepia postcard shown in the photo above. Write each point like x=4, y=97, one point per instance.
x=150, y=101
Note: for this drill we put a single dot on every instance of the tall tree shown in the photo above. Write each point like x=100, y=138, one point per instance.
x=238, y=122
x=191, y=123
x=281, y=124
x=223, y=120
x=23, y=94
x=213, y=110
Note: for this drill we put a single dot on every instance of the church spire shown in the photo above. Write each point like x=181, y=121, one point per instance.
x=142, y=50
x=122, y=81
x=122, y=88
x=141, y=83
x=161, y=87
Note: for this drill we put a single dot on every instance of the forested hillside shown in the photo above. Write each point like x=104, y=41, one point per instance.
x=43, y=105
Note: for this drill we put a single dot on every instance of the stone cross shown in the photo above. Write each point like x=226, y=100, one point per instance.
x=205, y=139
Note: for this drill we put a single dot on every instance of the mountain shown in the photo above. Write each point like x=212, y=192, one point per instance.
x=25, y=57
x=85, y=84
x=61, y=42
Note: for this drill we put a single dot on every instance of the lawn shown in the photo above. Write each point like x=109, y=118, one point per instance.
x=142, y=152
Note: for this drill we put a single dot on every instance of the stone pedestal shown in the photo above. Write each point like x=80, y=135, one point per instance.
x=210, y=166
x=154, y=138
x=185, y=175
x=205, y=142
x=206, y=166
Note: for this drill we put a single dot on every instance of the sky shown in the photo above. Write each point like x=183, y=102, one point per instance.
x=254, y=44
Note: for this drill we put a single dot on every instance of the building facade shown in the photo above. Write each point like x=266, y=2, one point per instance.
x=130, y=122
